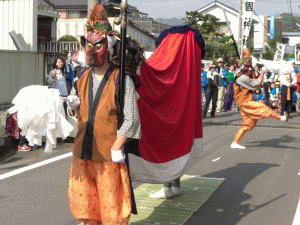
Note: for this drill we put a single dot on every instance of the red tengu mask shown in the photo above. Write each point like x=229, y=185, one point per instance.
x=96, y=48
x=95, y=44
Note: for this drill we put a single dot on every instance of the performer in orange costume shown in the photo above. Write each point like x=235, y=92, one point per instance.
x=99, y=184
x=251, y=111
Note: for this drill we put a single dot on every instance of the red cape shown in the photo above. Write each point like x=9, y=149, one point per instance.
x=170, y=99
x=170, y=108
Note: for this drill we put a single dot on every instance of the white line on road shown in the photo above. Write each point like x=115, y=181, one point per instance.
x=33, y=166
x=297, y=215
x=217, y=159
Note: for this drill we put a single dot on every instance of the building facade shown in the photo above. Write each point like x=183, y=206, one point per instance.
x=229, y=22
x=73, y=18
x=25, y=22
x=225, y=14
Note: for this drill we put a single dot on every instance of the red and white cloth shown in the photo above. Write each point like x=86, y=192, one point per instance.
x=170, y=110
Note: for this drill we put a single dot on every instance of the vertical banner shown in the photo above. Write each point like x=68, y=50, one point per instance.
x=278, y=56
x=272, y=27
x=247, y=13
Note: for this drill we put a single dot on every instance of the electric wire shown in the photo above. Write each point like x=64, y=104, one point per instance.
x=291, y=13
x=266, y=28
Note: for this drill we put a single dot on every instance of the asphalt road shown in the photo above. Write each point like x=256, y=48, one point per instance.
x=262, y=183
x=37, y=196
x=261, y=186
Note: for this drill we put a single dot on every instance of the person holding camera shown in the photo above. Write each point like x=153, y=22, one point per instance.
x=212, y=91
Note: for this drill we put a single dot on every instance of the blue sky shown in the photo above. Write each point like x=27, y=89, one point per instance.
x=177, y=8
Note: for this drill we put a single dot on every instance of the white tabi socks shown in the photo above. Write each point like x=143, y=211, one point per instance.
x=166, y=192
x=237, y=146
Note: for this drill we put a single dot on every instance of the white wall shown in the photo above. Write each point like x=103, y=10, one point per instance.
x=19, y=16
x=232, y=18
x=74, y=27
x=293, y=40
x=259, y=29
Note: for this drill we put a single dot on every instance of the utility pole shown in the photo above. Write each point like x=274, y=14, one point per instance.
x=240, y=27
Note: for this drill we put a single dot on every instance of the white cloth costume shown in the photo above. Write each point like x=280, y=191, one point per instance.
x=41, y=113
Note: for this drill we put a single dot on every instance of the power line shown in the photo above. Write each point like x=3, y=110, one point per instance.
x=266, y=28
x=291, y=10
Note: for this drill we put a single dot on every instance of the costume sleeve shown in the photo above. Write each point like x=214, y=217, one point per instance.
x=249, y=83
x=131, y=126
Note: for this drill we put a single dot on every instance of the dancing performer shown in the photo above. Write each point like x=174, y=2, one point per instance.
x=99, y=185
x=251, y=111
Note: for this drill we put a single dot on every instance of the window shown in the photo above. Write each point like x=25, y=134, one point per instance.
x=285, y=40
x=83, y=14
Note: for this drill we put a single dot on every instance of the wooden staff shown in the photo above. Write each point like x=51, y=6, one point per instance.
x=123, y=8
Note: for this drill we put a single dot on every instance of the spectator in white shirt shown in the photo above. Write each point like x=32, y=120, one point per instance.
x=212, y=91
x=268, y=80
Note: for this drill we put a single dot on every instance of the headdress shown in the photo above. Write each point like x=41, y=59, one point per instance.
x=246, y=67
x=98, y=21
x=246, y=56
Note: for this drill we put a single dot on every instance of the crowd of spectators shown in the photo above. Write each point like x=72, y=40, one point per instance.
x=279, y=90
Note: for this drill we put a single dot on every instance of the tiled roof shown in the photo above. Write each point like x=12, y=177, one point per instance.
x=79, y=2
x=69, y=2
x=291, y=33
x=75, y=4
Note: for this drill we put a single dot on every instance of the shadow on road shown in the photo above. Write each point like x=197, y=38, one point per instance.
x=226, y=206
x=276, y=143
x=9, y=150
x=222, y=123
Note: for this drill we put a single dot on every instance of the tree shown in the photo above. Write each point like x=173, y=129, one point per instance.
x=193, y=19
x=208, y=24
x=288, y=22
x=209, y=27
x=271, y=47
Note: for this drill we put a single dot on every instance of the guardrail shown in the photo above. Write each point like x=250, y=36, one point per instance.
x=55, y=47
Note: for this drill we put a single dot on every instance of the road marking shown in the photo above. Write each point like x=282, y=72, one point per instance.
x=297, y=215
x=33, y=166
x=217, y=159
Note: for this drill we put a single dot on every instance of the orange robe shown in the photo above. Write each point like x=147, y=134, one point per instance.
x=251, y=111
x=99, y=189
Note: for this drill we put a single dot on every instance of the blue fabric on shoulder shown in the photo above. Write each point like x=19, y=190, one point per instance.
x=182, y=30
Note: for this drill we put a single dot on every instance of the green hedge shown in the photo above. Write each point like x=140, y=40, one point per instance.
x=67, y=38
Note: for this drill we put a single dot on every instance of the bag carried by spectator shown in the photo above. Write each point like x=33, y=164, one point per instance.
x=11, y=126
